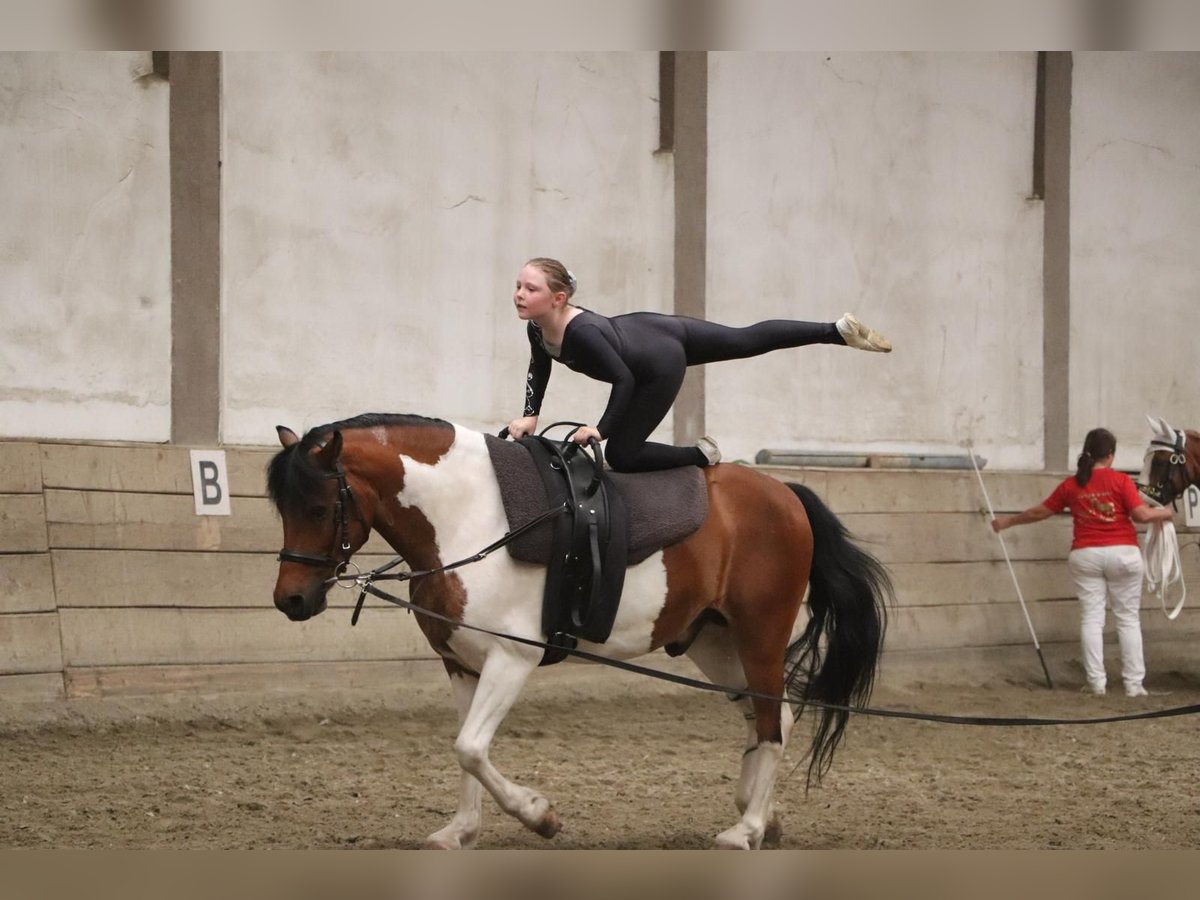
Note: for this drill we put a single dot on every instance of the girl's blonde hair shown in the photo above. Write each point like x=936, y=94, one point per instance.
x=558, y=276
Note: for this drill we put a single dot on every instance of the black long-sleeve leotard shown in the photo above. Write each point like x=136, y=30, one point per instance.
x=644, y=356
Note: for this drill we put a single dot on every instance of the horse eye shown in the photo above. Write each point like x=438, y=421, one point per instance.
x=317, y=512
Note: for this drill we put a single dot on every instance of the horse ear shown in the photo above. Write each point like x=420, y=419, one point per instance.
x=328, y=455
x=1166, y=430
x=287, y=437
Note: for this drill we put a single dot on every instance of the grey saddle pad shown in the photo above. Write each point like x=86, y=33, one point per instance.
x=663, y=507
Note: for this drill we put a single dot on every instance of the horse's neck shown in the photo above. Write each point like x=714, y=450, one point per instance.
x=1192, y=455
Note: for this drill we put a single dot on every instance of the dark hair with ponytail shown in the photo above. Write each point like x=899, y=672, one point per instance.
x=1098, y=444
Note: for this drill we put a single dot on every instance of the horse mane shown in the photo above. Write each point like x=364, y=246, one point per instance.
x=294, y=480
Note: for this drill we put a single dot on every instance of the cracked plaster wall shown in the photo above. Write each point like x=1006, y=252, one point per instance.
x=378, y=209
x=1135, y=230
x=84, y=247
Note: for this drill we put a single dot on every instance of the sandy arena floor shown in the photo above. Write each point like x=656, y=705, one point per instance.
x=634, y=767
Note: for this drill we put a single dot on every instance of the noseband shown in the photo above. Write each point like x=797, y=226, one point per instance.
x=341, y=536
x=1177, y=462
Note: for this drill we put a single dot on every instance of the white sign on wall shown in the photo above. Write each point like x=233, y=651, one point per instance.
x=210, y=486
x=1191, y=506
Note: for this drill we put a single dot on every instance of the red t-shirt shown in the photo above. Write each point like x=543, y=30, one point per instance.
x=1100, y=509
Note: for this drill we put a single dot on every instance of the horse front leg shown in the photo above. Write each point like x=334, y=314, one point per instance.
x=503, y=675
x=463, y=830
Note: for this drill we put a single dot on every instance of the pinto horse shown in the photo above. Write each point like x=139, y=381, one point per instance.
x=1172, y=462
x=729, y=595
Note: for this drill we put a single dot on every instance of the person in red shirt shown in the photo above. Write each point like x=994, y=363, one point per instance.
x=1105, y=560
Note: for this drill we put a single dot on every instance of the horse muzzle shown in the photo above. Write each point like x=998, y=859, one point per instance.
x=300, y=607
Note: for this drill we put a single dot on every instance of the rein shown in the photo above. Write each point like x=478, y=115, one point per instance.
x=365, y=583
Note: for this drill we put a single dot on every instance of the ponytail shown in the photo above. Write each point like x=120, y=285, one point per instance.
x=1098, y=444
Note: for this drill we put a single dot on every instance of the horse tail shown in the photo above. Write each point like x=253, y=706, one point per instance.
x=835, y=659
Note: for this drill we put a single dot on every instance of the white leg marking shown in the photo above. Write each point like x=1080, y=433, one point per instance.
x=463, y=830
x=714, y=654
x=500, y=683
x=759, y=767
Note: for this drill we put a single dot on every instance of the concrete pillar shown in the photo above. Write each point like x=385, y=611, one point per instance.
x=195, y=247
x=691, y=222
x=1055, y=87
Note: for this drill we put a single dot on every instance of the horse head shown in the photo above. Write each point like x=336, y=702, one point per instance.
x=326, y=512
x=1172, y=462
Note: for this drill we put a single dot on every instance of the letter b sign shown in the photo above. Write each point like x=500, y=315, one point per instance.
x=210, y=487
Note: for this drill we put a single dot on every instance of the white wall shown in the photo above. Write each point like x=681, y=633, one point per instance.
x=894, y=185
x=378, y=208
x=85, y=291
x=1135, y=233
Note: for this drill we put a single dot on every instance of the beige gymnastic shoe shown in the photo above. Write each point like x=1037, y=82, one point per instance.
x=710, y=450
x=859, y=336
x=1136, y=690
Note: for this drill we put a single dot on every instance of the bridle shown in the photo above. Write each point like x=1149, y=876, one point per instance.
x=339, y=556
x=1177, y=463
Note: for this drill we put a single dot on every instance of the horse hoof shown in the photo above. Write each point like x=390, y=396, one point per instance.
x=549, y=826
x=733, y=839
x=438, y=845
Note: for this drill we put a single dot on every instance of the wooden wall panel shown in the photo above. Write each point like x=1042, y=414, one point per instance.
x=26, y=583
x=112, y=637
x=926, y=491
x=22, y=523
x=142, y=469
x=29, y=643
x=954, y=583
x=98, y=578
x=948, y=627
x=20, y=469
x=107, y=520
x=954, y=537
x=115, y=681
x=37, y=688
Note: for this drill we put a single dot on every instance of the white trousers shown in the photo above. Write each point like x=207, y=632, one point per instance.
x=1101, y=573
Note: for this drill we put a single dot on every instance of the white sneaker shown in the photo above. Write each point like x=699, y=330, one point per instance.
x=860, y=337
x=1136, y=691
x=1098, y=690
x=710, y=450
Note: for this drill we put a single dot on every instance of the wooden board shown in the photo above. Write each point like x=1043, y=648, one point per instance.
x=111, y=637
x=92, y=578
x=955, y=537
x=146, y=469
x=117, y=681
x=22, y=523
x=20, y=468
x=108, y=520
x=952, y=583
x=38, y=688
x=994, y=625
x=26, y=583
x=874, y=490
x=29, y=642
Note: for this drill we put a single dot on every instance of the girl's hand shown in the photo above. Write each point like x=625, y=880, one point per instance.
x=585, y=433
x=999, y=524
x=518, y=428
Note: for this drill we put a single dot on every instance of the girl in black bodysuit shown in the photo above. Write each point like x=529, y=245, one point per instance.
x=644, y=356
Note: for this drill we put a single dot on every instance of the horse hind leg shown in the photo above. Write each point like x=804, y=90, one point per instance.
x=715, y=654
